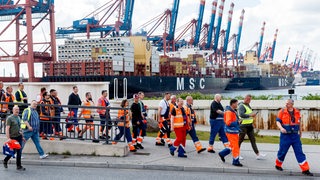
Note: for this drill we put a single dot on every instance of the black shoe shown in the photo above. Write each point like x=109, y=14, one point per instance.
x=140, y=146
x=222, y=158
x=102, y=137
x=21, y=168
x=133, y=150
x=307, y=173
x=201, y=150
x=136, y=147
x=95, y=141
x=182, y=156
x=105, y=136
x=5, y=164
x=71, y=131
x=239, y=165
x=211, y=151
x=162, y=141
x=62, y=138
x=159, y=144
x=169, y=145
x=279, y=168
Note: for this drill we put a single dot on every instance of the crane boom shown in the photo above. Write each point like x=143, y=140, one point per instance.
x=226, y=40
x=261, y=40
x=217, y=32
x=274, y=44
x=287, y=55
x=173, y=21
x=211, y=27
x=199, y=22
x=127, y=21
x=239, y=33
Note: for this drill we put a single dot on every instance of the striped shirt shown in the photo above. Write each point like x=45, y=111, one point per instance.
x=34, y=120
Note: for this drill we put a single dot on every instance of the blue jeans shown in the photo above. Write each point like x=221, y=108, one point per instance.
x=75, y=116
x=34, y=135
x=56, y=124
x=126, y=131
x=144, y=129
x=217, y=126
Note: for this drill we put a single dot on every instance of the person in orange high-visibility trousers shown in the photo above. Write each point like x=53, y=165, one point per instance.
x=288, y=121
x=86, y=113
x=180, y=125
x=124, y=125
x=163, y=118
x=172, y=104
x=232, y=130
x=193, y=121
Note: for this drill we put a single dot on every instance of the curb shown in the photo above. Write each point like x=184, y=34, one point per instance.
x=286, y=172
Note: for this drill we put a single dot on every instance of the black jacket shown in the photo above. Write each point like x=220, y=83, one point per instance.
x=74, y=99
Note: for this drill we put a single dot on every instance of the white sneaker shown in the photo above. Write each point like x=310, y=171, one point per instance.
x=44, y=156
x=241, y=158
x=261, y=156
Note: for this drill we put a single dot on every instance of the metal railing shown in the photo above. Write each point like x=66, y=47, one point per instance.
x=65, y=126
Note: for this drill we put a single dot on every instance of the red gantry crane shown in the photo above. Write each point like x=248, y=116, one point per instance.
x=24, y=18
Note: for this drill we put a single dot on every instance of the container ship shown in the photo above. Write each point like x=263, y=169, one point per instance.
x=312, y=77
x=252, y=75
x=131, y=64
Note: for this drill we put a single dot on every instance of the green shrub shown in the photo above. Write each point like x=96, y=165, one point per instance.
x=200, y=96
x=311, y=97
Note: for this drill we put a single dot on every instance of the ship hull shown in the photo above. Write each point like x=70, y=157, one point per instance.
x=151, y=85
x=259, y=83
x=313, y=82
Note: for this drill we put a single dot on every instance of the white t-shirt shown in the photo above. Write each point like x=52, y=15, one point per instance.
x=38, y=98
x=163, y=104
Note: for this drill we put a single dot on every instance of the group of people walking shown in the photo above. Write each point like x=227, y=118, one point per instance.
x=176, y=115
x=232, y=124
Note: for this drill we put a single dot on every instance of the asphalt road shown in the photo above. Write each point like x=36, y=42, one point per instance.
x=79, y=173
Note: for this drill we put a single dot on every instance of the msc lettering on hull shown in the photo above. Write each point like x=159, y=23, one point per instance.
x=192, y=84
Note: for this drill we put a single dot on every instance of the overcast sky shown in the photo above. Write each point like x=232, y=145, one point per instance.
x=298, y=21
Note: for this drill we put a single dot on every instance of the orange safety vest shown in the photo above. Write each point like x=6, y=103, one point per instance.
x=103, y=104
x=171, y=106
x=123, y=113
x=285, y=117
x=178, y=120
x=87, y=112
x=7, y=99
x=48, y=109
x=191, y=114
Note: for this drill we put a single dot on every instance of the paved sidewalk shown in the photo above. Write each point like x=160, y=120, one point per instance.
x=153, y=157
